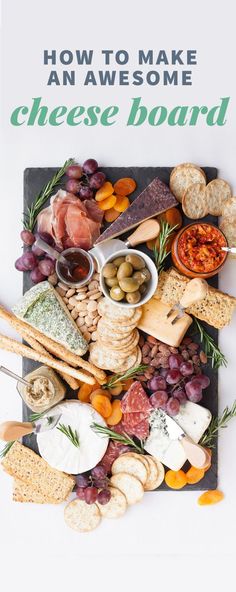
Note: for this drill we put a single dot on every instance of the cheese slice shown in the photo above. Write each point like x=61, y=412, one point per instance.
x=155, y=322
x=44, y=309
x=57, y=449
x=193, y=419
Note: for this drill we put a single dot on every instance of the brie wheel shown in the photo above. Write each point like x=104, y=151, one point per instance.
x=58, y=450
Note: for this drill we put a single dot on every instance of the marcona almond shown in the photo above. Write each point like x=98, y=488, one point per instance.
x=70, y=293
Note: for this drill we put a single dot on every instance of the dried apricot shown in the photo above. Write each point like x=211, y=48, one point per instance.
x=101, y=392
x=172, y=216
x=175, y=479
x=151, y=243
x=111, y=215
x=104, y=191
x=116, y=389
x=84, y=392
x=108, y=203
x=127, y=383
x=210, y=497
x=194, y=475
x=116, y=413
x=122, y=203
x=102, y=405
x=125, y=186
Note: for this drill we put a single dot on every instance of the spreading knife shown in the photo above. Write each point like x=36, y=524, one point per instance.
x=195, y=291
x=13, y=430
x=196, y=454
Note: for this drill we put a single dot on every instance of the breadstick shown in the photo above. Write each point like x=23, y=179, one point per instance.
x=72, y=382
x=9, y=344
x=52, y=346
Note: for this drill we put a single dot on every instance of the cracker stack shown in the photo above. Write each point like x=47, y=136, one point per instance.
x=116, y=348
x=34, y=480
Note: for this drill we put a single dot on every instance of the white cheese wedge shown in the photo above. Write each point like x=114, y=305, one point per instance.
x=58, y=450
x=194, y=420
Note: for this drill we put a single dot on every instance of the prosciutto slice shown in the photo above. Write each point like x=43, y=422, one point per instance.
x=71, y=222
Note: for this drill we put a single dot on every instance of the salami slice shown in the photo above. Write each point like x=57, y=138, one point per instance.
x=141, y=430
x=135, y=400
x=132, y=419
x=114, y=450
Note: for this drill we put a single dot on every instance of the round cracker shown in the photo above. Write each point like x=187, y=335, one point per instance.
x=194, y=201
x=117, y=505
x=129, y=485
x=107, y=359
x=124, y=344
x=81, y=516
x=143, y=459
x=217, y=192
x=156, y=473
x=128, y=363
x=131, y=465
x=116, y=313
x=184, y=175
x=229, y=207
x=109, y=333
x=228, y=227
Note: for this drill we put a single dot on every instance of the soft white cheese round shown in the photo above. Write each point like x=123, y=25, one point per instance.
x=58, y=450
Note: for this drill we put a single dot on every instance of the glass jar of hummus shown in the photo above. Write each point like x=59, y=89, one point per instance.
x=47, y=389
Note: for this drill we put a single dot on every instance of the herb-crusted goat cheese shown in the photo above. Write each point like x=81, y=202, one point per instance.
x=43, y=308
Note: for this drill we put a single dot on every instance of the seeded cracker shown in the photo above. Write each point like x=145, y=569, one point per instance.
x=218, y=191
x=183, y=176
x=194, y=201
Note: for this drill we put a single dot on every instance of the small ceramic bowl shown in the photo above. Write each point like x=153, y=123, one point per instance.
x=152, y=284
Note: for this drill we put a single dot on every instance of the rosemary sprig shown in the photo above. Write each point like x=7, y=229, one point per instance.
x=6, y=448
x=123, y=438
x=35, y=416
x=211, y=349
x=161, y=253
x=216, y=424
x=69, y=433
x=121, y=377
x=30, y=216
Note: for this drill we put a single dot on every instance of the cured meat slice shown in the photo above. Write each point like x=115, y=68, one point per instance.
x=93, y=211
x=114, y=450
x=71, y=222
x=135, y=400
x=141, y=430
x=132, y=419
x=155, y=198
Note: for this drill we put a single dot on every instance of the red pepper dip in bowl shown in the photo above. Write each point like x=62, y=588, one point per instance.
x=196, y=250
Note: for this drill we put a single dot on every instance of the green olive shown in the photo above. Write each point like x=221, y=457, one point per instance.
x=109, y=270
x=143, y=289
x=125, y=270
x=146, y=274
x=139, y=276
x=111, y=282
x=129, y=284
x=137, y=262
x=116, y=293
x=133, y=297
x=118, y=261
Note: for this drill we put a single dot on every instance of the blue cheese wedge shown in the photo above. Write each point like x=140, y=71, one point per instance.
x=192, y=418
x=43, y=308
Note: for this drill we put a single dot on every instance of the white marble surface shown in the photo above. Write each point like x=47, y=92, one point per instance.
x=164, y=525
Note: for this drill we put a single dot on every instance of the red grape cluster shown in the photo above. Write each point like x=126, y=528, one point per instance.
x=176, y=384
x=35, y=260
x=94, y=487
x=84, y=181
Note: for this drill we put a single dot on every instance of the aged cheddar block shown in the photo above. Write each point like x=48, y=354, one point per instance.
x=155, y=198
x=154, y=322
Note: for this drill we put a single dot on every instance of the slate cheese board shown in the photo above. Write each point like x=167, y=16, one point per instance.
x=34, y=180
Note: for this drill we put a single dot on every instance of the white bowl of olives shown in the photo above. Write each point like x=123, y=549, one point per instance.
x=129, y=278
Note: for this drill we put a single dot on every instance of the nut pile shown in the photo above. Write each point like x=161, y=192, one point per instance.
x=83, y=305
x=156, y=355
